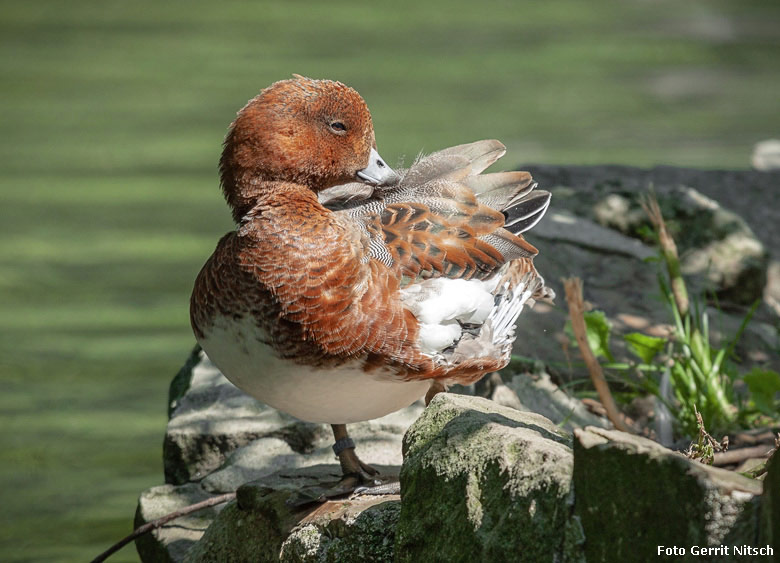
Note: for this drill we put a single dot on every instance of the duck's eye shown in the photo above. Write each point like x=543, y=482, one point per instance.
x=337, y=127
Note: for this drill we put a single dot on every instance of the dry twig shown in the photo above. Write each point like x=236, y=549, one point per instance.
x=573, y=288
x=160, y=522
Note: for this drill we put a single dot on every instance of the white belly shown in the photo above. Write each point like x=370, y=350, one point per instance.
x=333, y=395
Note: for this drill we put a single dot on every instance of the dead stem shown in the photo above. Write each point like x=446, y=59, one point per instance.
x=573, y=289
x=160, y=522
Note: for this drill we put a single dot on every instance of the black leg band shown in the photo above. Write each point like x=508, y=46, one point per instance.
x=343, y=444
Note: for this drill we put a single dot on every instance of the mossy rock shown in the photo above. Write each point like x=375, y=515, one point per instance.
x=365, y=537
x=270, y=520
x=633, y=495
x=770, y=506
x=482, y=482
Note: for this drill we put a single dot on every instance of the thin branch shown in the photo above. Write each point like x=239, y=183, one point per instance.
x=573, y=288
x=160, y=522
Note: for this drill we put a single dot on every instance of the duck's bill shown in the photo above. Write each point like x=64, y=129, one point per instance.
x=377, y=173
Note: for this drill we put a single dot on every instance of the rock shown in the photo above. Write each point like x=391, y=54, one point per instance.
x=541, y=330
x=749, y=194
x=218, y=438
x=717, y=247
x=537, y=393
x=633, y=495
x=263, y=525
x=590, y=191
x=364, y=531
x=171, y=542
x=772, y=293
x=211, y=419
x=770, y=506
x=562, y=226
x=619, y=282
x=378, y=442
x=482, y=482
x=766, y=155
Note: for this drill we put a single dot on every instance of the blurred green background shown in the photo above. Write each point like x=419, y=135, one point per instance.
x=112, y=118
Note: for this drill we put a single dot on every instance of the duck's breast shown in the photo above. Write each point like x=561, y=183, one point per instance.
x=336, y=393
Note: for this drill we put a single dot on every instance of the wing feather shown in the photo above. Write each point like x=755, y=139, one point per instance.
x=444, y=218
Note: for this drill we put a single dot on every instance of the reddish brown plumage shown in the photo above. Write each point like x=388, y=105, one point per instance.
x=284, y=134
x=424, y=243
x=304, y=273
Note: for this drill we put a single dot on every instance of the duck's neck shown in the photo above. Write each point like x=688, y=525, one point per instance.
x=246, y=187
x=258, y=196
x=242, y=194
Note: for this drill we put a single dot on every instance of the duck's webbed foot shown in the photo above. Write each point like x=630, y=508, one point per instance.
x=356, y=477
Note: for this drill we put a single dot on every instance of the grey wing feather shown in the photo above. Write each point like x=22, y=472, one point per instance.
x=426, y=181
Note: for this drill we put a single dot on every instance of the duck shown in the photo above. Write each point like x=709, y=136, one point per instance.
x=349, y=289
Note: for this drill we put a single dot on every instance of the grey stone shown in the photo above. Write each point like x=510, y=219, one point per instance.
x=770, y=506
x=623, y=286
x=633, y=495
x=362, y=532
x=169, y=543
x=537, y=393
x=266, y=524
x=587, y=191
x=378, y=442
x=617, y=279
x=482, y=482
x=562, y=226
x=772, y=293
x=718, y=250
x=766, y=155
x=749, y=194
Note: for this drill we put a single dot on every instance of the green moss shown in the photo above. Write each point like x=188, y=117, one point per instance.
x=486, y=486
x=306, y=543
x=632, y=497
x=770, y=505
x=369, y=537
x=237, y=535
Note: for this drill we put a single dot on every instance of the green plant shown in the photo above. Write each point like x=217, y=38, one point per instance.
x=705, y=447
x=701, y=376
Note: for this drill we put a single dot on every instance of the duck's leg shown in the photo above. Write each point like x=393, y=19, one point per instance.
x=435, y=388
x=358, y=476
x=394, y=487
x=354, y=472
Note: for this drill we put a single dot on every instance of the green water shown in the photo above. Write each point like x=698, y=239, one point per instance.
x=112, y=118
